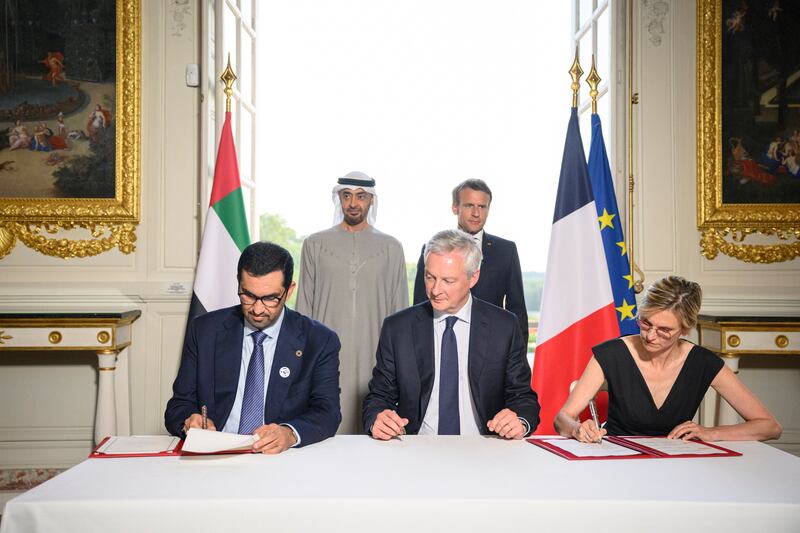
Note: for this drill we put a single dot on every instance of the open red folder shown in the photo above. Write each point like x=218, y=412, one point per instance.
x=137, y=446
x=198, y=442
x=631, y=448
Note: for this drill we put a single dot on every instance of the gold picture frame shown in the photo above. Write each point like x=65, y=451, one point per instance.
x=43, y=223
x=726, y=224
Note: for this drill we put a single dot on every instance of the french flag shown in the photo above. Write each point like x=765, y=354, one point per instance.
x=577, y=302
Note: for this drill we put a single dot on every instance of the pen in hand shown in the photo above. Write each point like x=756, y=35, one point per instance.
x=595, y=419
x=204, y=414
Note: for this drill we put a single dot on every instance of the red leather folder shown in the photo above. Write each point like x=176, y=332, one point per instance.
x=551, y=444
x=174, y=452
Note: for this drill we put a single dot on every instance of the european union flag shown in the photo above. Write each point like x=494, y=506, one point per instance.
x=611, y=232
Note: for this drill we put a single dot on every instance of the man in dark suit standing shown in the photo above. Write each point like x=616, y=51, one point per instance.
x=501, y=277
x=454, y=364
x=259, y=368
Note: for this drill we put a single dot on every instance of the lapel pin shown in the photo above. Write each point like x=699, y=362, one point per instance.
x=298, y=353
x=284, y=372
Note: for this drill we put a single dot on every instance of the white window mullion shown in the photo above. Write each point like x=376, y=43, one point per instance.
x=228, y=27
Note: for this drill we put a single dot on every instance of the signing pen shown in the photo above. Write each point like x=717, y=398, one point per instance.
x=204, y=413
x=593, y=411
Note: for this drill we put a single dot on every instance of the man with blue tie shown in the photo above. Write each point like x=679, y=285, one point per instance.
x=454, y=364
x=259, y=368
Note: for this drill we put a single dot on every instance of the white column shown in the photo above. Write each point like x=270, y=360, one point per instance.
x=121, y=394
x=105, y=420
x=726, y=416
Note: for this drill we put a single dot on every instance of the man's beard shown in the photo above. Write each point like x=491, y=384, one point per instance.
x=354, y=220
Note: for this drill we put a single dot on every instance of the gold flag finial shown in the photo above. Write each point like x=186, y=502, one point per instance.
x=228, y=77
x=576, y=72
x=593, y=79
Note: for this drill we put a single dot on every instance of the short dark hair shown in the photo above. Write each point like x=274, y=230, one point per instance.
x=262, y=258
x=475, y=185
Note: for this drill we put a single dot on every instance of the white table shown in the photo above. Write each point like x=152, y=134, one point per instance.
x=352, y=483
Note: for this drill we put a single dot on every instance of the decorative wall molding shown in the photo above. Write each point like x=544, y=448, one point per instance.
x=655, y=12
x=50, y=454
x=743, y=306
x=180, y=12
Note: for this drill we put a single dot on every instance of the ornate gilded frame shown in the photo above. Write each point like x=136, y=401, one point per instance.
x=725, y=226
x=40, y=222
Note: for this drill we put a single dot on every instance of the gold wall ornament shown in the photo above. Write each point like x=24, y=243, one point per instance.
x=54, y=337
x=713, y=241
x=724, y=226
x=781, y=341
x=7, y=241
x=4, y=337
x=103, y=337
x=734, y=341
x=44, y=224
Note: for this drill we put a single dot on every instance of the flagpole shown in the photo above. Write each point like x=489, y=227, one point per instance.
x=228, y=77
x=593, y=80
x=576, y=72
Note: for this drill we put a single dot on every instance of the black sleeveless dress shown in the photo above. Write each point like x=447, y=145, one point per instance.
x=631, y=410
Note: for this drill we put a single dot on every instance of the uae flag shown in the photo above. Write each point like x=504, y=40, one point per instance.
x=577, y=301
x=225, y=235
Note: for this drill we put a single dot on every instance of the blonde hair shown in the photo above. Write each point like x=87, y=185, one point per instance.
x=676, y=294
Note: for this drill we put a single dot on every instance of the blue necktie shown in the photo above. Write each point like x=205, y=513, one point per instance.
x=449, y=421
x=253, y=400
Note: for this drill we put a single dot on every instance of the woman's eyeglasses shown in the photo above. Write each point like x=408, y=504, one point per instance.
x=664, y=333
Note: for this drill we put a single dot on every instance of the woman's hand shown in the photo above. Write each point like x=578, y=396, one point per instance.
x=689, y=430
x=588, y=432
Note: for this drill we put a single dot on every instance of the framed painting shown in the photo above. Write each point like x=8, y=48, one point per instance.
x=748, y=128
x=69, y=126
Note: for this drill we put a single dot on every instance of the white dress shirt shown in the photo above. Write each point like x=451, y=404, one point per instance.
x=466, y=409
x=478, y=238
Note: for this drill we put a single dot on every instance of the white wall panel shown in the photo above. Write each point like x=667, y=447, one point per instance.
x=54, y=403
x=667, y=238
x=656, y=173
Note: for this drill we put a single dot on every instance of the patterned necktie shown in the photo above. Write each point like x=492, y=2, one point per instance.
x=449, y=420
x=253, y=401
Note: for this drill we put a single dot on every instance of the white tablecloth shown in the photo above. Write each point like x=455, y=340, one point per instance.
x=353, y=483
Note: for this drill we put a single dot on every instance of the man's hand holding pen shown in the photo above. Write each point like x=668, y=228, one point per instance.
x=196, y=421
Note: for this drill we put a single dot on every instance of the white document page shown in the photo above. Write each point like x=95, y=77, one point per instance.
x=206, y=441
x=677, y=446
x=585, y=449
x=150, y=444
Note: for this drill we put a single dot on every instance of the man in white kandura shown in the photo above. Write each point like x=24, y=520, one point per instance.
x=351, y=277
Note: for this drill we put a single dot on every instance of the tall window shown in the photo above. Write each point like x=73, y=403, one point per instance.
x=591, y=34
x=230, y=28
x=420, y=95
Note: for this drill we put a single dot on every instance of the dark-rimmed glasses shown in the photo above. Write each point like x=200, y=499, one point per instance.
x=270, y=302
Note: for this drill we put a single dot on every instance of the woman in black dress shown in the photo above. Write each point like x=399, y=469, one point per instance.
x=656, y=380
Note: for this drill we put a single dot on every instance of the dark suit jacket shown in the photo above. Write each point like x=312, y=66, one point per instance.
x=308, y=398
x=500, y=281
x=499, y=375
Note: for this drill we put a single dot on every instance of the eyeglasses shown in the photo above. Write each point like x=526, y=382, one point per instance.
x=664, y=333
x=270, y=302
